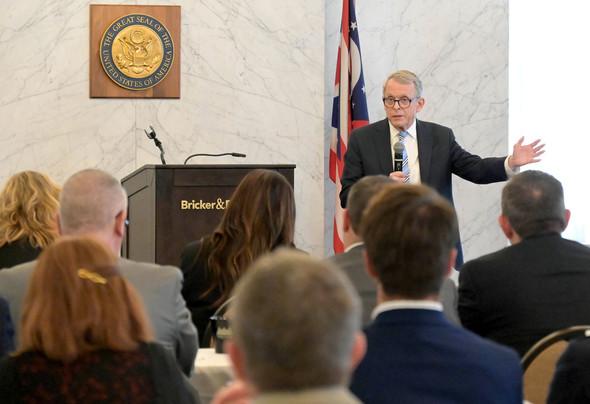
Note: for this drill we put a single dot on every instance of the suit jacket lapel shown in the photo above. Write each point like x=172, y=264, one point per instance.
x=424, y=151
x=384, y=147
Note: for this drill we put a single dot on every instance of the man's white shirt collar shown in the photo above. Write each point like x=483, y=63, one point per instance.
x=406, y=304
x=411, y=130
x=350, y=247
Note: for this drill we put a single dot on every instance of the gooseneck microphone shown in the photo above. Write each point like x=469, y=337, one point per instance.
x=398, y=156
x=152, y=135
x=233, y=154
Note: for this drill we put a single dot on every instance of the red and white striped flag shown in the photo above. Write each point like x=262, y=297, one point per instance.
x=349, y=110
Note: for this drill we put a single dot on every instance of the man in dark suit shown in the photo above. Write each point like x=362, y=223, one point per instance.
x=414, y=354
x=353, y=262
x=540, y=283
x=433, y=154
x=297, y=342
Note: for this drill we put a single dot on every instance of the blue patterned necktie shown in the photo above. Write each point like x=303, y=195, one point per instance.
x=405, y=167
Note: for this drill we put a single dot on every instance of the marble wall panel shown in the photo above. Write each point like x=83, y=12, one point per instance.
x=251, y=81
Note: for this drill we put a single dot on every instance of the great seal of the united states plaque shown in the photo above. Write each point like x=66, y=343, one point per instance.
x=136, y=51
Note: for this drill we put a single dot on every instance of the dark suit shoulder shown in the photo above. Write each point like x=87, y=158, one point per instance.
x=431, y=127
x=371, y=128
x=149, y=273
x=546, y=249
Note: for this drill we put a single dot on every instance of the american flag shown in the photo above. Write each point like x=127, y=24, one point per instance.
x=349, y=110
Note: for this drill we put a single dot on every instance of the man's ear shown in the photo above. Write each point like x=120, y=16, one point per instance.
x=368, y=266
x=58, y=222
x=420, y=104
x=506, y=227
x=345, y=220
x=451, y=263
x=120, y=223
x=235, y=356
x=359, y=349
x=568, y=214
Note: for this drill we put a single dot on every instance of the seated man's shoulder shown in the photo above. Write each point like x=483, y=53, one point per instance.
x=149, y=272
x=482, y=348
x=368, y=130
x=20, y=272
x=486, y=263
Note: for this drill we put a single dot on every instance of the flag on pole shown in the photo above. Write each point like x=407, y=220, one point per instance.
x=349, y=110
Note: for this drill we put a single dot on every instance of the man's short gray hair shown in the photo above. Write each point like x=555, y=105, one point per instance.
x=533, y=203
x=294, y=320
x=90, y=200
x=405, y=77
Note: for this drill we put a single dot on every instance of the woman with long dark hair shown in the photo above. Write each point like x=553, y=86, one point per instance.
x=259, y=218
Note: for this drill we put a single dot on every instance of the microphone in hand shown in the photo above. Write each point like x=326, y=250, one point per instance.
x=398, y=156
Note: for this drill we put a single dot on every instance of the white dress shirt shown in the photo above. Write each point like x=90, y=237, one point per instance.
x=411, y=144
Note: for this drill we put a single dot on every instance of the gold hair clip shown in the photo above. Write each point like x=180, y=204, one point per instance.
x=91, y=276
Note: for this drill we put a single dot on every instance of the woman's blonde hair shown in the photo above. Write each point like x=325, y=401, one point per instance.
x=78, y=302
x=28, y=206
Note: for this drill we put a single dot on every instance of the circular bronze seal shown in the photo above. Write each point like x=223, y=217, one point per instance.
x=136, y=51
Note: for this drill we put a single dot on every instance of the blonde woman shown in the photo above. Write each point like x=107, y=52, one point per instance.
x=85, y=337
x=28, y=208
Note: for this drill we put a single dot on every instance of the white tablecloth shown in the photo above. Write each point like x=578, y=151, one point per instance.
x=212, y=372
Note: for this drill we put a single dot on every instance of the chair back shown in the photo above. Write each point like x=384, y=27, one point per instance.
x=222, y=311
x=539, y=362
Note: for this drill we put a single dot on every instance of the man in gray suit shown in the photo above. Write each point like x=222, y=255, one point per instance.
x=93, y=203
x=298, y=341
x=352, y=261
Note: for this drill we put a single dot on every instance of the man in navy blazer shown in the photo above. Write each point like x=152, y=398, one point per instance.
x=414, y=354
x=432, y=151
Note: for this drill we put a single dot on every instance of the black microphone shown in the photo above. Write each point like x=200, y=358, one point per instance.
x=152, y=135
x=233, y=154
x=398, y=156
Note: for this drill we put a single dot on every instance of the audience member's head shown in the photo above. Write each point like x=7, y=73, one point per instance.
x=259, y=218
x=410, y=232
x=360, y=194
x=94, y=203
x=296, y=324
x=78, y=302
x=28, y=207
x=533, y=204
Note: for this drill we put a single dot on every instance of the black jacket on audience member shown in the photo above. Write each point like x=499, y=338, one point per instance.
x=196, y=281
x=520, y=294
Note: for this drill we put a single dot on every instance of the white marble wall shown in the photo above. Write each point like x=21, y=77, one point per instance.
x=251, y=81
x=459, y=48
x=257, y=78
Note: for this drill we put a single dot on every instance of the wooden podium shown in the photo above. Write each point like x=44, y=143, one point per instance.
x=172, y=205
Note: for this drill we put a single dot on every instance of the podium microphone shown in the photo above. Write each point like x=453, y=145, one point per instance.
x=233, y=154
x=398, y=156
x=152, y=135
